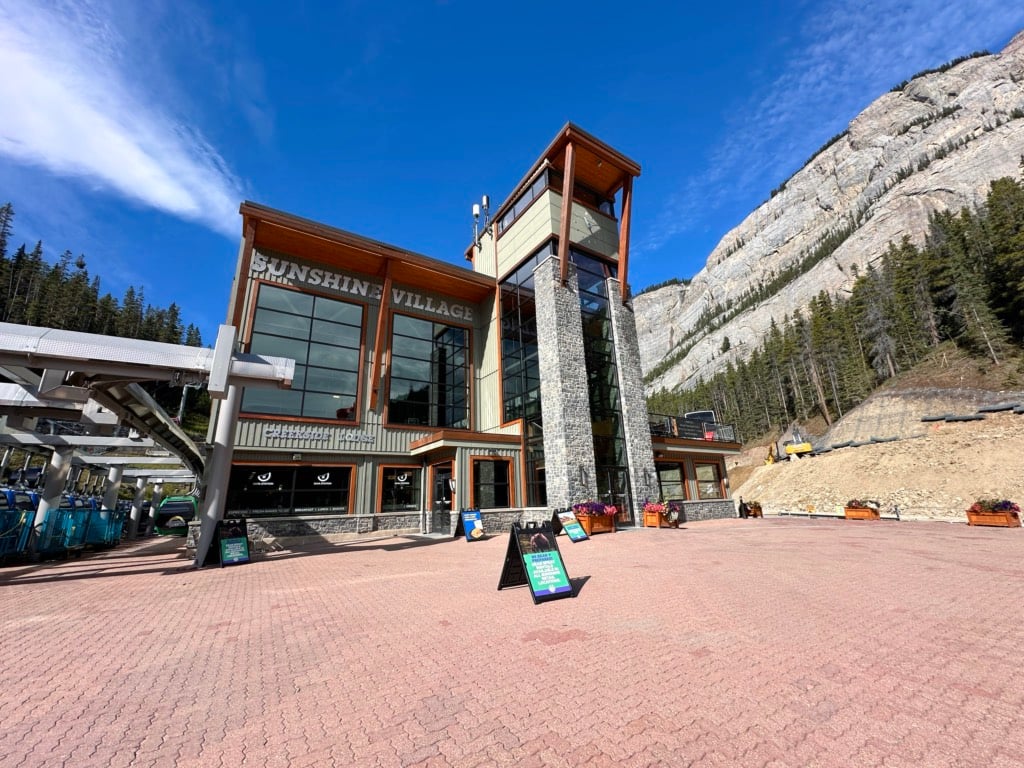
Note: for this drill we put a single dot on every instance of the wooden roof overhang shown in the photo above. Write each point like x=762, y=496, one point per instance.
x=597, y=166
x=673, y=447
x=327, y=245
x=589, y=161
x=461, y=438
x=265, y=227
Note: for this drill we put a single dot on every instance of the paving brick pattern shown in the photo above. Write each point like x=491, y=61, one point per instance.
x=777, y=642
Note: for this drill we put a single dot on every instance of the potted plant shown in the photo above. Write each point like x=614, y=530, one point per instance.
x=860, y=509
x=999, y=512
x=675, y=512
x=595, y=517
x=754, y=509
x=653, y=514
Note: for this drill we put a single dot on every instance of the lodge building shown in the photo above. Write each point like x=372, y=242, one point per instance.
x=422, y=387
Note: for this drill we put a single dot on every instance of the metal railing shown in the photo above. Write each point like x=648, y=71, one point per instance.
x=692, y=429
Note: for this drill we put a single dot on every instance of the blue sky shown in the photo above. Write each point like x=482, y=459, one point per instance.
x=130, y=132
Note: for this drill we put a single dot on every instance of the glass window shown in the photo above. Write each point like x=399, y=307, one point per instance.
x=491, y=484
x=288, y=490
x=323, y=336
x=429, y=374
x=670, y=481
x=400, y=489
x=709, y=481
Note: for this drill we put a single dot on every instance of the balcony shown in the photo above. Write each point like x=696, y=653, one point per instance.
x=690, y=429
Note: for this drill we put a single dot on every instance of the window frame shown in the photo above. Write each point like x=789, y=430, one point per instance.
x=510, y=480
x=467, y=368
x=294, y=468
x=379, y=501
x=719, y=479
x=360, y=372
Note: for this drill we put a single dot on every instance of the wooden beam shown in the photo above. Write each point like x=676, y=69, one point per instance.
x=627, y=215
x=244, y=259
x=376, y=375
x=569, y=178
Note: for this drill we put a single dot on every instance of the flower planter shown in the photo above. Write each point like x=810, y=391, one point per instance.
x=755, y=512
x=1003, y=518
x=853, y=513
x=659, y=520
x=597, y=523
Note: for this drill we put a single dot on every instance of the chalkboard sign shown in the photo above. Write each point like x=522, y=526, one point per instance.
x=565, y=520
x=533, y=559
x=470, y=525
x=233, y=541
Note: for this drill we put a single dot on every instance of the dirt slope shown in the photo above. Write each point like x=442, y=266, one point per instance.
x=935, y=475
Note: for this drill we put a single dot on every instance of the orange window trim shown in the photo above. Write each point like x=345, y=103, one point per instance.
x=511, y=480
x=246, y=343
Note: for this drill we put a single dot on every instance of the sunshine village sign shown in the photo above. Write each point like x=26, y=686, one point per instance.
x=315, y=277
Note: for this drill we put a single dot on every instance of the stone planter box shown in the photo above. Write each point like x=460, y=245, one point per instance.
x=597, y=523
x=852, y=513
x=1002, y=519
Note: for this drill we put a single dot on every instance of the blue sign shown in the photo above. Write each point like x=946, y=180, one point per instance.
x=472, y=525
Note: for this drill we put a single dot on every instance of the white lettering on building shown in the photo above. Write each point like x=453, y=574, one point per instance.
x=284, y=433
x=302, y=273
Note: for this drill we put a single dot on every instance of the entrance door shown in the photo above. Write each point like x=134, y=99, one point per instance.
x=444, y=487
x=613, y=488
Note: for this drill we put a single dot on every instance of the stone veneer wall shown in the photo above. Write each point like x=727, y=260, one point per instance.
x=498, y=522
x=345, y=527
x=709, y=509
x=565, y=398
x=636, y=428
x=331, y=528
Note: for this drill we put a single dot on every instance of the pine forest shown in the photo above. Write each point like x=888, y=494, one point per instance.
x=964, y=286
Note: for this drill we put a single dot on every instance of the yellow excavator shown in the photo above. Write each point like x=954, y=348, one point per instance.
x=798, y=446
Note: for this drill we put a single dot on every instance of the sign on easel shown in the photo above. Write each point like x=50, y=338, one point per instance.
x=533, y=559
x=565, y=520
x=470, y=525
x=233, y=541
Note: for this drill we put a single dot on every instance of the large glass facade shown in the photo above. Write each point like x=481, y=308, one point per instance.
x=520, y=369
x=602, y=378
x=429, y=374
x=288, y=490
x=323, y=336
x=521, y=372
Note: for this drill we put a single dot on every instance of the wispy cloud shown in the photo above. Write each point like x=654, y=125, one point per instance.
x=847, y=54
x=73, y=106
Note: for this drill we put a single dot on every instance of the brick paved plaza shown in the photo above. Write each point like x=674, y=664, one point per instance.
x=777, y=642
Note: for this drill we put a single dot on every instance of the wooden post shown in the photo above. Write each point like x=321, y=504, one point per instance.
x=568, y=181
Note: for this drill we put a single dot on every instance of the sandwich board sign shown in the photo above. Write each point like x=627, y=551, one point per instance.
x=470, y=525
x=533, y=559
x=565, y=520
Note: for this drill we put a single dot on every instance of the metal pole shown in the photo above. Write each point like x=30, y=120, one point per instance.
x=218, y=470
x=140, y=489
x=60, y=465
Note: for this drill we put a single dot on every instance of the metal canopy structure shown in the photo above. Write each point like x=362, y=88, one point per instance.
x=64, y=374
x=92, y=379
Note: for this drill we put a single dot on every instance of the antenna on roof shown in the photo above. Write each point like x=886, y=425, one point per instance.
x=478, y=232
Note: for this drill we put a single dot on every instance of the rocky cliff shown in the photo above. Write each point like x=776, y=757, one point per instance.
x=934, y=144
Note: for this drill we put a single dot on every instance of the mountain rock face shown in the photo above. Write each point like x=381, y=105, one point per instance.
x=934, y=144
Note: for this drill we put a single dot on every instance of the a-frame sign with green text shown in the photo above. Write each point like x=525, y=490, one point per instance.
x=533, y=559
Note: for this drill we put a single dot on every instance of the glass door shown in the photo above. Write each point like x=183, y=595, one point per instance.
x=613, y=488
x=443, y=496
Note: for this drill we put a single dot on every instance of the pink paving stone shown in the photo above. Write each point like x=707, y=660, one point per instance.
x=777, y=642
